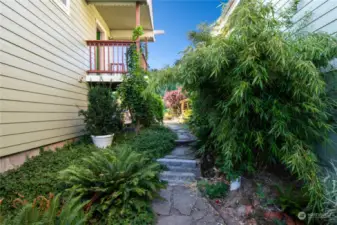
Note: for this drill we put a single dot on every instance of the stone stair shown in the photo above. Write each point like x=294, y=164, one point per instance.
x=181, y=165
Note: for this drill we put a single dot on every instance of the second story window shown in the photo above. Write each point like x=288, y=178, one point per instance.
x=64, y=5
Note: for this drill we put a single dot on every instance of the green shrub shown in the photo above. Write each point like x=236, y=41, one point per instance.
x=38, y=175
x=291, y=200
x=51, y=212
x=213, y=190
x=155, y=142
x=116, y=181
x=103, y=116
x=146, y=109
x=157, y=108
x=259, y=95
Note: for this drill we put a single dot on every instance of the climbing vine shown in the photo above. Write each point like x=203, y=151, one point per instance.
x=144, y=109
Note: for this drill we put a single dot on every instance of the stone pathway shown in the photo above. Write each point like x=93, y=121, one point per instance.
x=181, y=203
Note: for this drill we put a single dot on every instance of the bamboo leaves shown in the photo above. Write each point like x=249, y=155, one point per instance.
x=259, y=94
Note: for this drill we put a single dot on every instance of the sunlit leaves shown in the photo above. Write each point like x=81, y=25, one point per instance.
x=259, y=94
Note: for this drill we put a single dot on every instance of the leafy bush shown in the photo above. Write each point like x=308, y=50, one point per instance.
x=155, y=142
x=259, y=95
x=144, y=109
x=38, y=175
x=157, y=108
x=172, y=100
x=118, y=181
x=213, y=190
x=291, y=200
x=103, y=116
x=51, y=211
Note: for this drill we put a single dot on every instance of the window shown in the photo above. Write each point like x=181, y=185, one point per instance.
x=63, y=4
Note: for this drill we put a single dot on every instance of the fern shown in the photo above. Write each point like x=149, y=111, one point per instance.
x=115, y=180
x=71, y=213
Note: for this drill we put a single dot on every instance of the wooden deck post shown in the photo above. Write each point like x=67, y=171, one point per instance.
x=138, y=23
x=146, y=48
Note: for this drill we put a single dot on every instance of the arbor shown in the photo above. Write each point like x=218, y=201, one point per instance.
x=259, y=95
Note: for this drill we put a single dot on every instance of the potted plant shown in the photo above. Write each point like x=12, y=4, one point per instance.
x=102, y=118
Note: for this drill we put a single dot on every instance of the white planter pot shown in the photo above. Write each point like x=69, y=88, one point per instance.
x=102, y=141
x=235, y=184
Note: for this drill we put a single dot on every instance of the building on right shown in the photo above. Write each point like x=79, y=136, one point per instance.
x=308, y=16
x=323, y=14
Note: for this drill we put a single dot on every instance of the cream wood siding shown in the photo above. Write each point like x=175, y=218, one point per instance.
x=42, y=55
x=323, y=14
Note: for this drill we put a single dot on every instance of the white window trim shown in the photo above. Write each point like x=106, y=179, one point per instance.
x=102, y=29
x=65, y=8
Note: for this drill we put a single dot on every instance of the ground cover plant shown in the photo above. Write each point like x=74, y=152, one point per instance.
x=258, y=94
x=213, y=189
x=39, y=176
x=155, y=142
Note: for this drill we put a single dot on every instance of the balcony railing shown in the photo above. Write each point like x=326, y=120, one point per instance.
x=110, y=56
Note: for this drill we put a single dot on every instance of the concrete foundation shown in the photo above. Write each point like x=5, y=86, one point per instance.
x=16, y=160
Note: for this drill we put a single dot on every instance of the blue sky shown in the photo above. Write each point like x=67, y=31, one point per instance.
x=177, y=17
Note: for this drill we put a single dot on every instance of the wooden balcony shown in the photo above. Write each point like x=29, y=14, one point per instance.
x=110, y=57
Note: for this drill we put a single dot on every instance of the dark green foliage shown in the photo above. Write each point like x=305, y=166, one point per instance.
x=156, y=107
x=144, y=109
x=259, y=96
x=117, y=181
x=144, y=217
x=38, y=175
x=291, y=200
x=103, y=116
x=155, y=142
x=53, y=212
x=213, y=190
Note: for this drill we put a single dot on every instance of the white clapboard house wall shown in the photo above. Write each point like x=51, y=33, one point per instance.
x=310, y=16
x=46, y=55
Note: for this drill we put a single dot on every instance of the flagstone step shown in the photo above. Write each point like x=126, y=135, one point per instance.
x=186, y=163
x=177, y=177
x=195, y=171
x=180, y=157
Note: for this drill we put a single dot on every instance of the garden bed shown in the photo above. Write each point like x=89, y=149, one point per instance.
x=39, y=176
x=264, y=199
